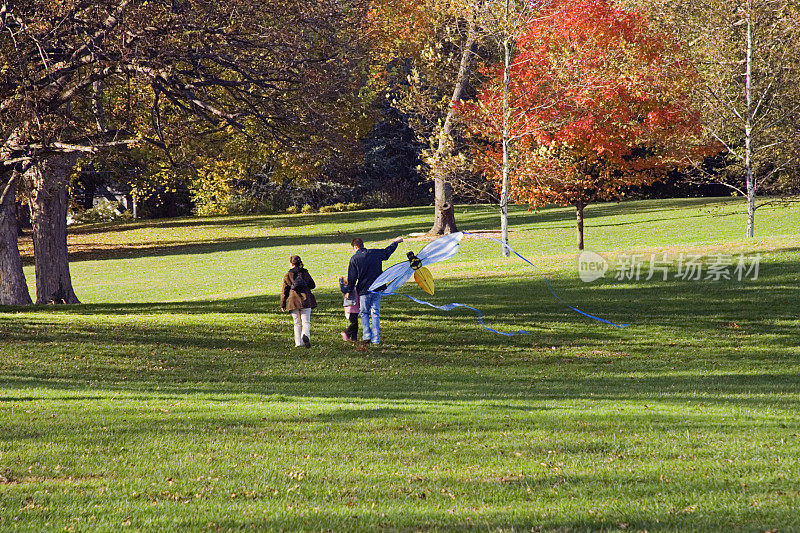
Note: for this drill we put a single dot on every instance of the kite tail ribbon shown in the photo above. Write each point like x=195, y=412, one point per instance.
x=547, y=281
x=451, y=306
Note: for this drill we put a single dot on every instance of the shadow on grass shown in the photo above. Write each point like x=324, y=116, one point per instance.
x=373, y=238
x=717, y=342
x=611, y=502
x=678, y=520
x=349, y=218
x=482, y=217
x=773, y=295
x=395, y=222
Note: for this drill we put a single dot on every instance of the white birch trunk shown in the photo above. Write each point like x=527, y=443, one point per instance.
x=506, y=147
x=748, y=128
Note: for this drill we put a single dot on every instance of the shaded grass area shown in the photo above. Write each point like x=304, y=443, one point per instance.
x=200, y=415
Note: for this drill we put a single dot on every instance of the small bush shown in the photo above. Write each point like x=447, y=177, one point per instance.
x=341, y=207
x=208, y=209
x=235, y=204
x=307, y=209
x=292, y=210
x=244, y=205
x=104, y=211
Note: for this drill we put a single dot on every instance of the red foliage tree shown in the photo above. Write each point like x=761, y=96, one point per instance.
x=599, y=102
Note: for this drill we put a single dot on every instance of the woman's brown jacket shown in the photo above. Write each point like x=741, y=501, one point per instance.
x=292, y=299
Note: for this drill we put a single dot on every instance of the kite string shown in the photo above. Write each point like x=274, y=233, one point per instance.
x=547, y=281
x=405, y=242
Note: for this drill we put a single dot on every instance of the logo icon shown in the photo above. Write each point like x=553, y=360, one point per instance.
x=591, y=266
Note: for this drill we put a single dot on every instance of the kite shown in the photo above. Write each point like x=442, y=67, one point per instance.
x=442, y=249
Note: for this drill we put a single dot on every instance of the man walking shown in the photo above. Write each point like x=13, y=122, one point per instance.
x=365, y=267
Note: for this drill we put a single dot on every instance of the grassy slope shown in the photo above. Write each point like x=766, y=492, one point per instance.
x=196, y=412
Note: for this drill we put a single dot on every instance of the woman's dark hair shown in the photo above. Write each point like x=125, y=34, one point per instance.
x=358, y=243
x=295, y=260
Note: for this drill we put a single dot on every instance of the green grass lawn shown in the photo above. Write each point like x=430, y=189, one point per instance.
x=173, y=398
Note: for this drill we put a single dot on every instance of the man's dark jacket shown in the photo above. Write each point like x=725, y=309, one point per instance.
x=365, y=267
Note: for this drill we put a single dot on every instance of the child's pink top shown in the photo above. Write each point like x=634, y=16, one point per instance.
x=353, y=308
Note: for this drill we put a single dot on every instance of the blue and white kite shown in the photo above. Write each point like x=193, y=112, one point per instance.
x=393, y=277
x=442, y=249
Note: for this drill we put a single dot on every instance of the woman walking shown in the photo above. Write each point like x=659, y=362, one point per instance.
x=296, y=297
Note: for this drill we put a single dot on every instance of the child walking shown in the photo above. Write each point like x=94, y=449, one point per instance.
x=296, y=297
x=351, y=309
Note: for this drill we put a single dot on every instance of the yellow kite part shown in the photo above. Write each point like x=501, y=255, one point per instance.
x=424, y=279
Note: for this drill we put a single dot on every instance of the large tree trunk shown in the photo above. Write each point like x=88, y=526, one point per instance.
x=47, y=184
x=444, y=220
x=579, y=224
x=13, y=286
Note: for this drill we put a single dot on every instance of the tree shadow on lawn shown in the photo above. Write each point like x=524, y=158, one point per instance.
x=348, y=218
x=170, y=223
x=447, y=521
x=373, y=237
x=733, y=307
x=707, y=330
x=565, y=216
x=546, y=502
x=688, y=505
x=355, y=223
x=471, y=216
x=526, y=300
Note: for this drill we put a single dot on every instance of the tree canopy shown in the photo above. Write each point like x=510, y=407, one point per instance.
x=79, y=76
x=600, y=102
